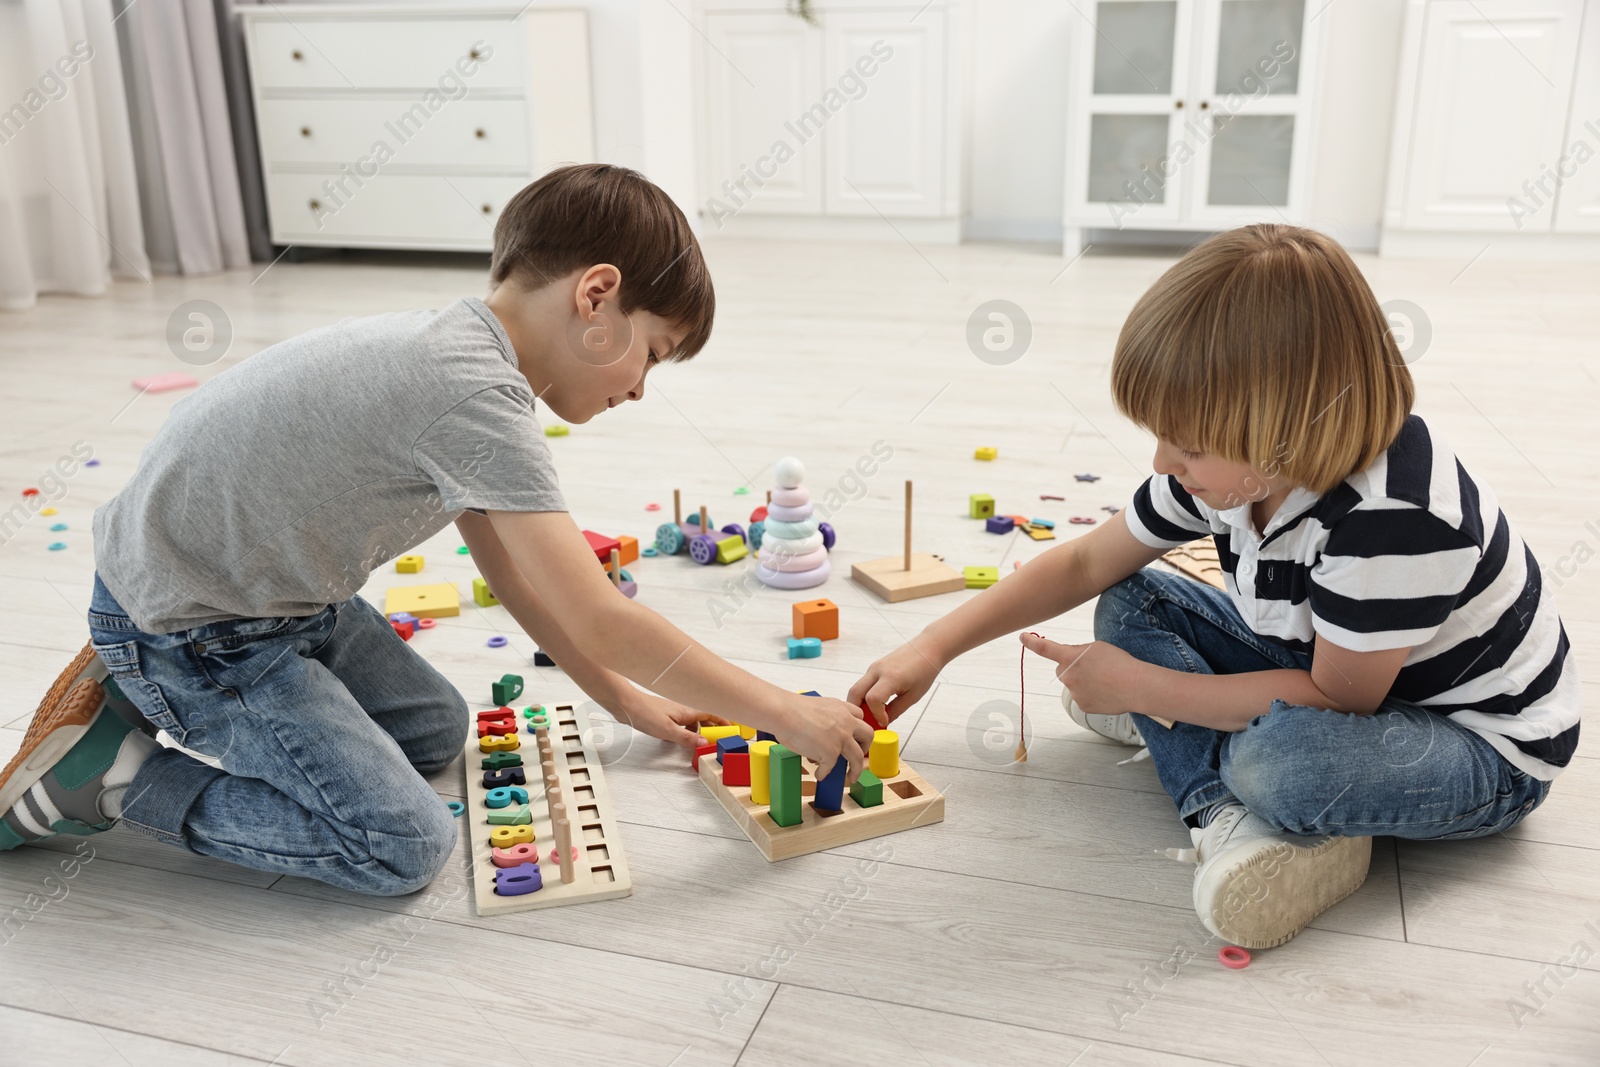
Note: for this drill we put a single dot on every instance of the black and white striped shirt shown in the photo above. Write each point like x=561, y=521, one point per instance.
x=1409, y=553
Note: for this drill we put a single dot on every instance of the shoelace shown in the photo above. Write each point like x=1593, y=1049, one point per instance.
x=1224, y=822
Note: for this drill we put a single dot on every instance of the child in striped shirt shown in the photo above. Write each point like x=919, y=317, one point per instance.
x=1384, y=659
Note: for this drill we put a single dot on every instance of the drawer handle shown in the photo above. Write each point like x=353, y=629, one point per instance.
x=297, y=55
x=488, y=210
x=305, y=131
x=479, y=134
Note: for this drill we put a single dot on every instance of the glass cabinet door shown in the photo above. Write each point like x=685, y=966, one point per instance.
x=1251, y=138
x=1135, y=60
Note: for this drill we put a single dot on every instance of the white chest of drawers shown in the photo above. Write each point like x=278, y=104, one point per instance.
x=411, y=126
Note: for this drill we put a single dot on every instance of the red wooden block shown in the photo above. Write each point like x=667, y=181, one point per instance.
x=736, y=768
x=404, y=629
x=703, y=750
x=602, y=545
x=500, y=721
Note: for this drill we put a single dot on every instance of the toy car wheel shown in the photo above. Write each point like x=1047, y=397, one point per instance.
x=733, y=529
x=754, y=536
x=703, y=550
x=826, y=530
x=669, y=539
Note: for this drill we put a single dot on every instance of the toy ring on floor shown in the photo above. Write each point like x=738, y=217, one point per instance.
x=652, y=507
x=427, y=624
x=1233, y=956
x=457, y=808
x=497, y=641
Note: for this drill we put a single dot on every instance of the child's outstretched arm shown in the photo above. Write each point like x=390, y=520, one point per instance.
x=1056, y=582
x=630, y=639
x=639, y=708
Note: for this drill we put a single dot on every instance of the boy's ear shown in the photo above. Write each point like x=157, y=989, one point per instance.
x=598, y=283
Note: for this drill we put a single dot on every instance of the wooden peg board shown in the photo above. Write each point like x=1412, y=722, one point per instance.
x=1198, y=560
x=908, y=801
x=601, y=870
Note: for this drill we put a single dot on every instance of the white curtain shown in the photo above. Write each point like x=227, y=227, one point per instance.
x=69, y=199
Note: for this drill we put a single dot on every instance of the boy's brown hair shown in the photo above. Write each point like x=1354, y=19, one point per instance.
x=1265, y=345
x=577, y=216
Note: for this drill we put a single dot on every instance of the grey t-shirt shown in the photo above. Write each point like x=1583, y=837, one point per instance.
x=277, y=487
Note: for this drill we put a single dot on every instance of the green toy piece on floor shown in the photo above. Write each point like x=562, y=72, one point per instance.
x=507, y=689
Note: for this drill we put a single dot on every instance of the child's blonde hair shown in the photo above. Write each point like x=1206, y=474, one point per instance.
x=1265, y=345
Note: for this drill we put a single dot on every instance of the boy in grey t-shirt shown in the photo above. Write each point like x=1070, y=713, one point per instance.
x=225, y=609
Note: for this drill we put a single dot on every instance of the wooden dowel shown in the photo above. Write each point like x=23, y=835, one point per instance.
x=677, y=508
x=616, y=568
x=908, y=525
x=564, y=847
x=702, y=518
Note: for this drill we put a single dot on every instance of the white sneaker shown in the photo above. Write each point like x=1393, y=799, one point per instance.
x=1119, y=728
x=1257, y=887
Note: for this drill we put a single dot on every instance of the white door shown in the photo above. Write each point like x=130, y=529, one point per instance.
x=1491, y=110
x=1254, y=69
x=885, y=96
x=1578, y=166
x=1131, y=98
x=762, y=74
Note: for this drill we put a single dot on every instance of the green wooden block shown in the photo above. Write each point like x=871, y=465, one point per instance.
x=500, y=760
x=481, y=595
x=867, y=791
x=731, y=548
x=783, y=769
x=512, y=818
x=508, y=688
x=980, y=506
x=980, y=577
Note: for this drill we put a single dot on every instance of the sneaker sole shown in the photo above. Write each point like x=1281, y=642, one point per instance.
x=63, y=717
x=1269, y=898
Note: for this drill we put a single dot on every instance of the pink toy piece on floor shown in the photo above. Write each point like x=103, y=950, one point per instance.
x=652, y=507
x=427, y=624
x=160, y=383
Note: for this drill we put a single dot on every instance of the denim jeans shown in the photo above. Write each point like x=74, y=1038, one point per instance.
x=1404, y=771
x=324, y=727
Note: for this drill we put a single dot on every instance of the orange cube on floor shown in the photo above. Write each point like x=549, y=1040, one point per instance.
x=629, y=550
x=816, y=618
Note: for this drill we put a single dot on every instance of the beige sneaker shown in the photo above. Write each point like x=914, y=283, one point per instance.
x=1257, y=887
x=1119, y=728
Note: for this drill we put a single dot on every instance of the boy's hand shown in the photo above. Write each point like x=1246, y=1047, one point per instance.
x=1103, y=679
x=894, y=683
x=658, y=717
x=823, y=729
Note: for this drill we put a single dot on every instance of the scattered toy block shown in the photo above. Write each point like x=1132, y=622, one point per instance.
x=980, y=577
x=1046, y=523
x=731, y=743
x=481, y=595
x=830, y=790
x=980, y=506
x=702, y=750
x=160, y=383
x=404, y=629
x=999, y=524
x=804, y=648
x=542, y=659
x=731, y=549
x=408, y=564
x=1087, y=477
x=440, y=601
x=556, y=430
x=507, y=689
x=815, y=618
x=602, y=545
x=783, y=771
x=736, y=768
x=867, y=791
x=986, y=452
x=1040, y=533
x=628, y=549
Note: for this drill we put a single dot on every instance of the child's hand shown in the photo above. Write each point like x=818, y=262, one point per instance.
x=823, y=729
x=1103, y=679
x=894, y=683
x=658, y=717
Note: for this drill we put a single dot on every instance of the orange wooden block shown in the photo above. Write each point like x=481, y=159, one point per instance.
x=629, y=549
x=816, y=618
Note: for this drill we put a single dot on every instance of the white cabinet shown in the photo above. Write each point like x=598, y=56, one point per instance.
x=833, y=126
x=1190, y=115
x=411, y=126
x=1495, y=127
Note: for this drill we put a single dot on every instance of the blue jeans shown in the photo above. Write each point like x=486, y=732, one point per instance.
x=1404, y=771
x=324, y=727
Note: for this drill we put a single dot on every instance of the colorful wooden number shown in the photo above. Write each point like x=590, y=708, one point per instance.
x=504, y=776
x=506, y=836
x=516, y=855
x=516, y=881
x=495, y=761
x=499, y=743
x=507, y=817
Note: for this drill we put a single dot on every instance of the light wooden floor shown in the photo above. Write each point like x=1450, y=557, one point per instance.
x=1014, y=931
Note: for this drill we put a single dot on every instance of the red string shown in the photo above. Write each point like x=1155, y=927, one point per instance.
x=1021, y=753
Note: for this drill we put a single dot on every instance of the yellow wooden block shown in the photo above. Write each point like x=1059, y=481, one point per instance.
x=986, y=453
x=760, y=772
x=1040, y=533
x=408, y=564
x=717, y=733
x=47, y=511
x=440, y=601
x=746, y=732
x=883, y=759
